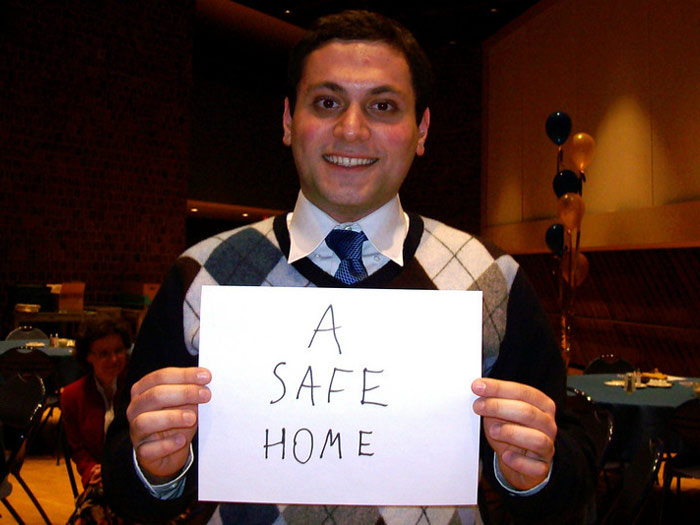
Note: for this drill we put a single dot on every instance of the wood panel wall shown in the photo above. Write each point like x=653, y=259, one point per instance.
x=642, y=305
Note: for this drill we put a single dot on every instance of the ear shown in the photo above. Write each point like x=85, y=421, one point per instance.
x=423, y=132
x=287, y=123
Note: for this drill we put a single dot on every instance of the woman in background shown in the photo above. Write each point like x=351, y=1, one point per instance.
x=88, y=406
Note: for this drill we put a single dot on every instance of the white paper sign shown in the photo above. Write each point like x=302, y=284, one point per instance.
x=339, y=396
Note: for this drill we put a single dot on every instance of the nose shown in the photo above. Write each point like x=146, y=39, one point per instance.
x=352, y=125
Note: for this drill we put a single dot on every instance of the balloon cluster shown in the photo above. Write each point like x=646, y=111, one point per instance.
x=563, y=238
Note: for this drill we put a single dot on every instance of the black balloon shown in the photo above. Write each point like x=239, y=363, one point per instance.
x=555, y=239
x=566, y=181
x=558, y=127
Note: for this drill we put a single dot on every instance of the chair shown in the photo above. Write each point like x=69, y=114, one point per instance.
x=685, y=425
x=26, y=332
x=608, y=364
x=28, y=361
x=597, y=421
x=638, y=478
x=21, y=406
x=599, y=426
x=32, y=361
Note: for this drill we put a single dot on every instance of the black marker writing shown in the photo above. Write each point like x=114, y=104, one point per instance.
x=303, y=444
x=365, y=389
x=284, y=387
x=362, y=444
x=333, y=328
x=330, y=385
x=311, y=386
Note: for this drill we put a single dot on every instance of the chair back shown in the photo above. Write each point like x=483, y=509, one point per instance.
x=26, y=361
x=608, y=364
x=26, y=332
x=597, y=422
x=21, y=407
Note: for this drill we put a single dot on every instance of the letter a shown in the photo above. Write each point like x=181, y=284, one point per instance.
x=332, y=328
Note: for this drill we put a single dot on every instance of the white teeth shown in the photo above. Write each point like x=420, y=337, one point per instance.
x=348, y=162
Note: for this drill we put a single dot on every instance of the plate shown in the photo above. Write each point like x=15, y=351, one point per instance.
x=615, y=382
x=659, y=383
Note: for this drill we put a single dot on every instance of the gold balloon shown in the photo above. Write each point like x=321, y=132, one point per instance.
x=570, y=209
x=580, y=271
x=581, y=150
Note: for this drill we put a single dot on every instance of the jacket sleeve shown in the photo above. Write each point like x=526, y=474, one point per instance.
x=160, y=343
x=529, y=354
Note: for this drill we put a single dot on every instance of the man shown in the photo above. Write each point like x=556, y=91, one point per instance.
x=355, y=117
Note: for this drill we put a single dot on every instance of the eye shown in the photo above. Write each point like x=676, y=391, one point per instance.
x=326, y=103
x=383, y=106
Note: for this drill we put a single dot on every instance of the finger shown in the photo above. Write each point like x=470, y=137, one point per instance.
x=533, y=443
x=171, y=376
x=519, y=412
x=487, y=387
x=146, y=427
x=526, y=465
x=157, y=449
x=161, y=397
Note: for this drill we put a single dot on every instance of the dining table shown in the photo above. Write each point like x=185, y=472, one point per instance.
x=41, y=344
x=640, y=414
x=608, y=388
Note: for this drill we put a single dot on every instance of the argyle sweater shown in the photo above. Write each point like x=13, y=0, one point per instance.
x=517, y=345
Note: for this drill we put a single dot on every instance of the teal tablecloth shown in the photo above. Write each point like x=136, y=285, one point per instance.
x=53, y=351
x=594, y=386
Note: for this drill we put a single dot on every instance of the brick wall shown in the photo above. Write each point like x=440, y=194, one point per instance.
x=98, y=148
x=94, y=130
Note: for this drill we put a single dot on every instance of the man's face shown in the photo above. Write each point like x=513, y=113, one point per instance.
x=354, y=133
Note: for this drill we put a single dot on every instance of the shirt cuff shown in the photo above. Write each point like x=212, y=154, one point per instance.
x=170, y=490
x=504, y=483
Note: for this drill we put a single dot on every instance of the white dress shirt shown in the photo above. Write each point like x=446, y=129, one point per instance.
x=386, y=229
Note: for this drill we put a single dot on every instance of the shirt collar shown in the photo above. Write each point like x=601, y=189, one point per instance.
x=386, y=228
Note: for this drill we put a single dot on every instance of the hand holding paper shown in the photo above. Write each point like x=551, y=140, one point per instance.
x=519, y=425
x=163, y=417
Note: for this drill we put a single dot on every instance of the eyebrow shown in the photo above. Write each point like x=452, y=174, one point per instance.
x=337, y=88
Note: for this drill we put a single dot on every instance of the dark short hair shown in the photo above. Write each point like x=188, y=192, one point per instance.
x=368, y=26
x=94, y=329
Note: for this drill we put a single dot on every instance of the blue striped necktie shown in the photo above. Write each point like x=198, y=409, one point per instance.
x=347, y=245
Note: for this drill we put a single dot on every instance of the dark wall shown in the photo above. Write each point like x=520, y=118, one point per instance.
x=641, y=305
x=94, y=131
x=237, y=155
x=445, y=183
x=237, y=152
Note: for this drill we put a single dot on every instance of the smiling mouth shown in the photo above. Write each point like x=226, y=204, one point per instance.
x=349, y=162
